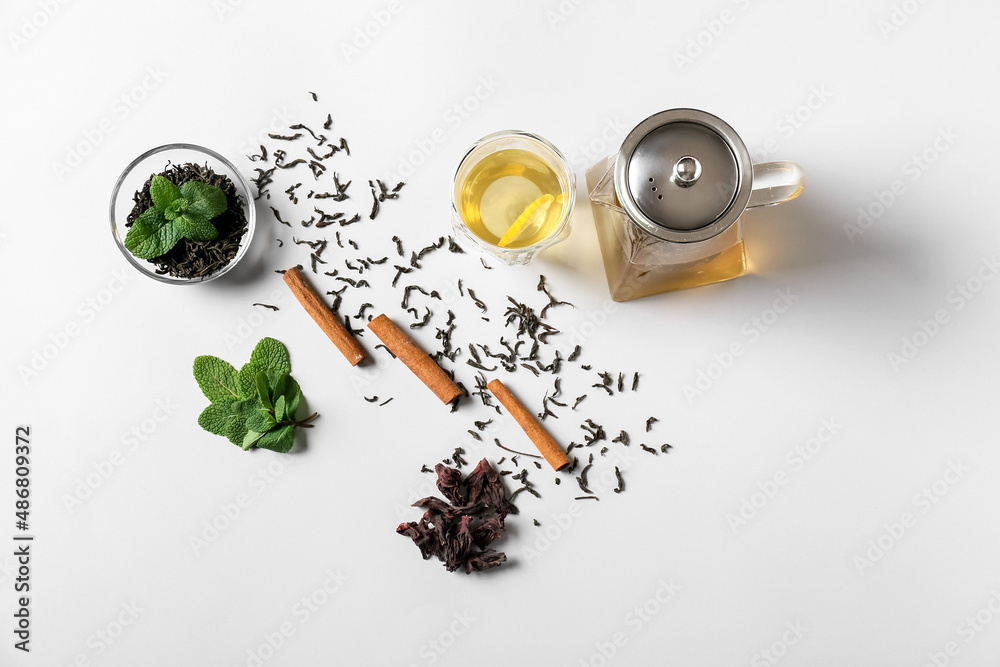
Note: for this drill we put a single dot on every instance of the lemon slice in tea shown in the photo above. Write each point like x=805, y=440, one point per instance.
x=530, y=220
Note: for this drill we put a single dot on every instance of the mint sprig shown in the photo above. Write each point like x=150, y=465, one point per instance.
x=177, y=212
x=255, y=406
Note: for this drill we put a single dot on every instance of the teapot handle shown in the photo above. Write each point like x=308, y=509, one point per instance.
x=776, y=182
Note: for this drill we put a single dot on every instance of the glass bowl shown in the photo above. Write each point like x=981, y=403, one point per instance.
x=155, y=161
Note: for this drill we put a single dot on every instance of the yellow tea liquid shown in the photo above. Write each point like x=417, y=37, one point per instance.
x=511, y=199
x=638, y=264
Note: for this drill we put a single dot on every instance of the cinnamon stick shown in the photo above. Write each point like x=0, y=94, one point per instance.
x=324, y=317
x=418, y=361
x=548, y=447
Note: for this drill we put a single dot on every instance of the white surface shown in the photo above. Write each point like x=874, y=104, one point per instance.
x=334, y=507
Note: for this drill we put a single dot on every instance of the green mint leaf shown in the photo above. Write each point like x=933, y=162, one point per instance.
x=284, y=386
x=204, y=199
x=250, y=439
x=176, y=208
x=261, y=421
x=151, y=235
x=247, y=406
x=292, y=396
x=278, y=381
x=263, y=390
x=271, y=355
x=279, y=440
x=242, y=409
x=216, y=378
x=217, y=417
x=247, y=380
x=195, y=226
x=146, y=224
x=255, y=406
x=236, y=431
x=257, y=417
x=163, y=192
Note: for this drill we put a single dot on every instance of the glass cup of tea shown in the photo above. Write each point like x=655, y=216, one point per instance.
x=513, y=195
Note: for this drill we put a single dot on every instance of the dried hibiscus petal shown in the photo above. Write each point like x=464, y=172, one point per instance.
x=485, y=487
x=459, y=544
x=485, y=561
x=449, y=483
x=487, y=531
x=458, y=530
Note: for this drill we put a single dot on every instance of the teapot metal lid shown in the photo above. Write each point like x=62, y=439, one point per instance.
x=683, y=175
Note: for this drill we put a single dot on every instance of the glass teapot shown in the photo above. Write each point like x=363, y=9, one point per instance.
x=668, y=205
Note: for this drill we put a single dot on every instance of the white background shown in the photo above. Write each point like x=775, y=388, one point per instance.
x=580, y=75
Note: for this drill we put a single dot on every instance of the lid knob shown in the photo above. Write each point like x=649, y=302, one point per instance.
x=687, y=171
